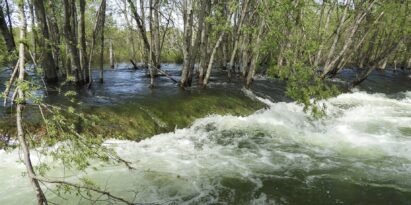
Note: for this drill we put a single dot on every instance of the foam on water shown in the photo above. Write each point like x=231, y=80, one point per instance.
x=361, y=152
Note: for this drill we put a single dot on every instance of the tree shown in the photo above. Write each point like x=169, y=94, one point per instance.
x=83, y=47
x=70, y=24
x=187, y=40
x=6, y=32
x=41, y=199
x=47, y=60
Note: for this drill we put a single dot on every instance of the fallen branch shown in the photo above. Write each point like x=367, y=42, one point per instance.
x=134, y=64
x=14, y=96
x=77, y=186
x=164, y=73
x=11, y=81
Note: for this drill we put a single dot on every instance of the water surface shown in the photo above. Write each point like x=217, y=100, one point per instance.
x=359, y=154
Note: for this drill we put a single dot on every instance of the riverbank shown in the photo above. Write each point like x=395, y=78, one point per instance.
x=136, y=120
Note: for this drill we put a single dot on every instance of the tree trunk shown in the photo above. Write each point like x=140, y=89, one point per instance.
x=98, y=29
x=8, y=12
x=187, y=40
x=5, y=31
x=210, y=63
x=47, y=61
x=231, y=64
x=111, y=53
x=41, y=199
x=246, y=55
x=83, y=46
x=213, y=53
x=67, y=63
x=103, y=21
x=204, y=43
x=34, y=36
x=327, y=66
x=197, y=41
x=256, y=55
x=330, y=65
x=156, y=34
x=71, y=38
x=130, y=34
x=224, y=51
x=379, y=59
x=145, y=51
x=55, y=34
x=383, y=64
x=152, y=46
x=321, y=34
x=142, y=28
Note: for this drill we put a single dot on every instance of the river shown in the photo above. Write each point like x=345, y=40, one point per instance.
x=359, y=154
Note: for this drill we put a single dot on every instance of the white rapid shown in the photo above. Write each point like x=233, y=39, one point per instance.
x=359, y=154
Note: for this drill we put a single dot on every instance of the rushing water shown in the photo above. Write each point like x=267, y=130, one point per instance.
x=359, y=154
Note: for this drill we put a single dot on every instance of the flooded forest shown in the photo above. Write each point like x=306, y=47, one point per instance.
x=254, y=102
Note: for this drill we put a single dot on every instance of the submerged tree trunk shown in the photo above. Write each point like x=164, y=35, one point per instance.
x=83, y=46
x=152, y=47
x=213, y=53
x=71, y=38
x=67, y=63
x=380, y=59
x=231, y=64
x=156, y=34
x=333, y=61
x=196, y=42
x=204, y=43
x=245, y=55
x=337, y=35
x=142, y=29
x=47, y=60
x=103, y=21
x=130, y=34
x=210, y=63
x=256, y=55
x=187, y=40
x=98, y=29
x=111, y=53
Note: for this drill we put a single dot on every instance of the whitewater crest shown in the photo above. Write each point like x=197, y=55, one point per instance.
x=277, y=155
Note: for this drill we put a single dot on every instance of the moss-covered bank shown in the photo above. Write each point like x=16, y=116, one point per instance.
x=137, y=119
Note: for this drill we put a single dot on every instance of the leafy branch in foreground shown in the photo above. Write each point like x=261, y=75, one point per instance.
x=73, y=150
x=63, y=127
